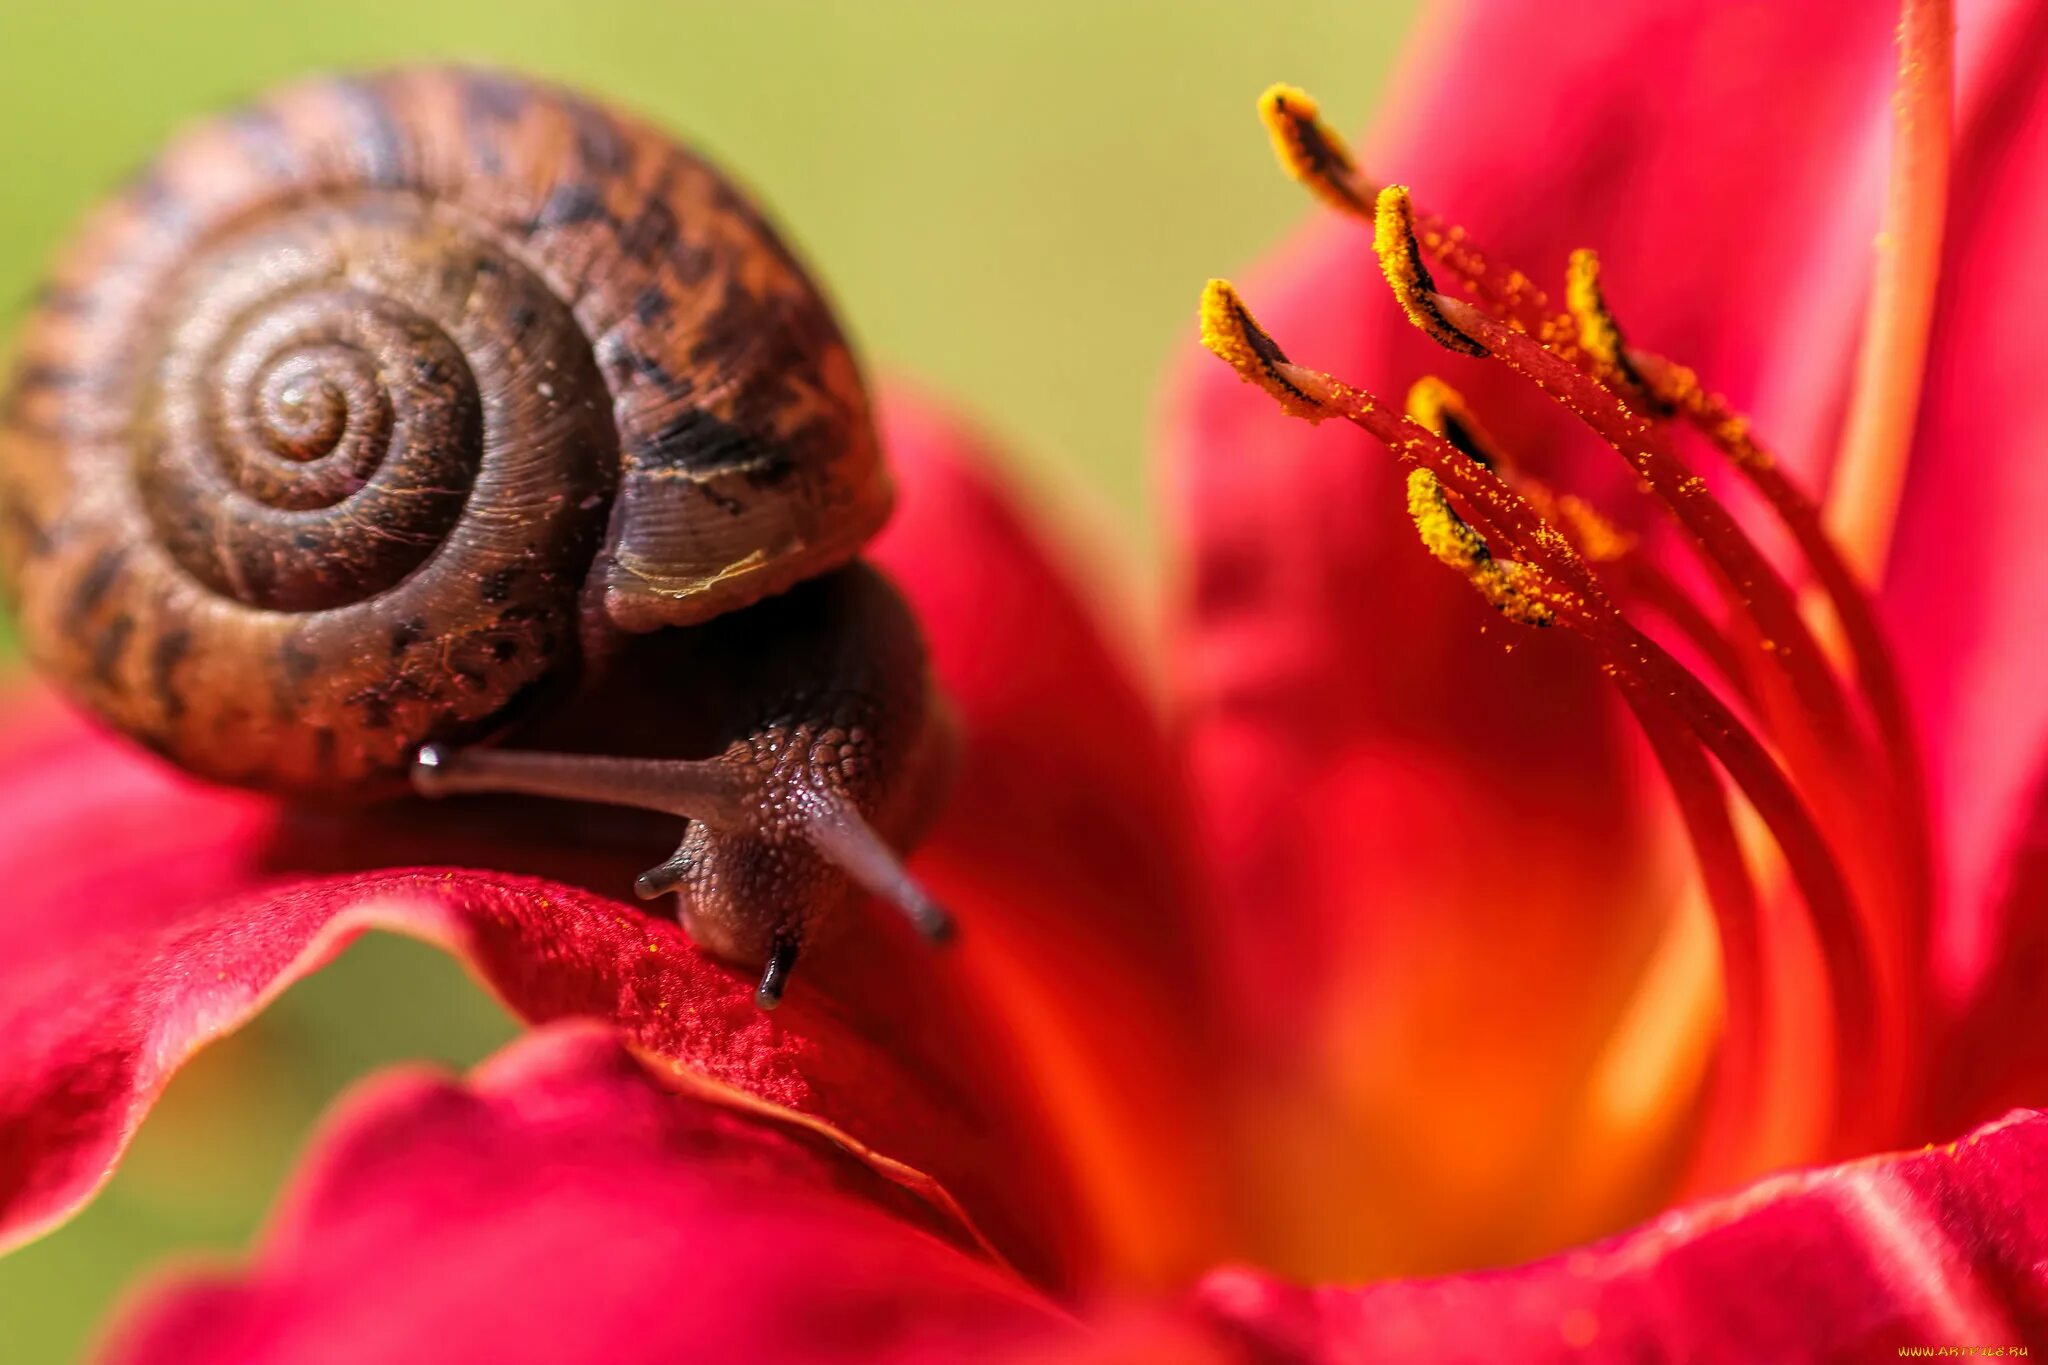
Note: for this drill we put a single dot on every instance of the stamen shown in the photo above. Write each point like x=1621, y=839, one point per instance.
x=1780, y=670
x=1647, y=582
x=1876, y=675
x=1230, y=333
x=1311, y=151
x=1513, y=588
x=1748, y=1034
x=1709, y=414
x=1864, y=1037
x=1594, y=536
x=1599, y=334
x=1897, y=899
x=1870, y=472
x=1867, y=1026
x=1812, y=724
x=1890, y=835
x=1442, y=409
x=1401, y=261
x=1756, y=585
x=1436, y=406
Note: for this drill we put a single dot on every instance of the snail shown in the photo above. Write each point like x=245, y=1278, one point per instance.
x=395, y=419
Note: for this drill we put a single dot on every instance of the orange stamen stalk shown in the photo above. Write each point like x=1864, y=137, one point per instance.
x=1817, y=707
x=1876, y=675
x=1435, y=405
x=1870, y=471
x=1703, y=806
x=1756, y=584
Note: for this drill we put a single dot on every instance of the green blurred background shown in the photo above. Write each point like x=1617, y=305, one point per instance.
x=949, y=168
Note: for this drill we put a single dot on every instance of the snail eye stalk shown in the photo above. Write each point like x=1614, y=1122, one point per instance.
x=740, y=811
x=775, y=975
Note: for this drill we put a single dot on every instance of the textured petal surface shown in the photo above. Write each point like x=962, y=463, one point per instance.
x=435, y=1217
x=562, y=1206
x=1068, y=835
x=1941, y=1248
x=107, y=991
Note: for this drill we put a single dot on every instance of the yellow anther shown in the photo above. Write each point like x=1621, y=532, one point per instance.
x=1591, y=534
x=1442, y=409
x=1393, y=237
x=1514, y=589
x=1599, y=335
x=1437, y=406
x=1444, y=533
x=1311, y=151
x=1231, y=332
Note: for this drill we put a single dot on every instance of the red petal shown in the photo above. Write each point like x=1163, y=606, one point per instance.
x=1968, y=617
x=117, y=965
x=1996, y=1056
x=1065, y=845
x=1945, y=1247
x=563, y=1207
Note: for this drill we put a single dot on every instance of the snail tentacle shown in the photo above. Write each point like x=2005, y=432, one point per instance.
x=829, y=752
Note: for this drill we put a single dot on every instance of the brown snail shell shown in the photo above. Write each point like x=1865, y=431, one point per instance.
x=365, y=411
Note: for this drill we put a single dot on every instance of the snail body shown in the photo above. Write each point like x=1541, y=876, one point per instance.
x=386, y=411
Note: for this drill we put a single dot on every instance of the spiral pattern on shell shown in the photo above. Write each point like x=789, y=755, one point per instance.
x=366, y=410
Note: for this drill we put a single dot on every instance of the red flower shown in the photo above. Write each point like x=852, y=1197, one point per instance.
x=1426, y=978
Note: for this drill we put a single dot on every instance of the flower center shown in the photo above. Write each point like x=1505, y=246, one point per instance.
x=1778, y=720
